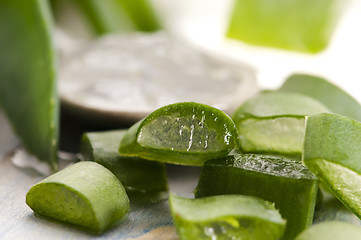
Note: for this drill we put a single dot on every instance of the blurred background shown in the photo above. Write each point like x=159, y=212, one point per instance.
x=205, y=23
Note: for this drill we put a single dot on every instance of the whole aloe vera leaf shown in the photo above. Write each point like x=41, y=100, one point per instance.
x=333, y=97
x=27, y=76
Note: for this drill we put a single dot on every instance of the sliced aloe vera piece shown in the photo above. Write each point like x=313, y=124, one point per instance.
x=289, y=184
x=273, y=122
x=86, y=194
x=299, y=25
x=333, y=230
x=185, y=133
x=334, y=98
x=139, y=177
x=332, y=152
x=226, y=217
x=27, y=76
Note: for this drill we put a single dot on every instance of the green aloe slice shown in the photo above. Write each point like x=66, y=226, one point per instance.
x=289, y=184
x=185, y=133
x=273, y=122
x=139, y=177
x=85, y=194
x=299, y=25
x=333, y=230
x=226, y=217
x=332, y=152
x=27, y=76
x=334, y=98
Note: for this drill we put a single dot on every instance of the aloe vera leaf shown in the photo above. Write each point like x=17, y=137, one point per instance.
x=186, y=133
x=106, y=16
x=273, y=122
x=332, y=230
x=111, y=16
x=299, y=25
x=143, y=15
x=334, y=98
x=139, y=176
x=288, y=184
x=226, y=217
x=86, y=194
x=332, y=153
x=27, y=76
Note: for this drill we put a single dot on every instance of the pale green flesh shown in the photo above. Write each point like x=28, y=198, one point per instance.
x=62, y=203
x=282, y=134
x=343, y=182
x=226, y=217
x=274, y=122
x=87, y=188
x=333, y=230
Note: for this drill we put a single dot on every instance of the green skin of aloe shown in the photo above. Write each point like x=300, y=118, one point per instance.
x=27, y=76
x=334, y=98
x=141, y=178
x=290, y=185
x=185, y=133
x=332, y=152
x=85, y=194
x=226, y=217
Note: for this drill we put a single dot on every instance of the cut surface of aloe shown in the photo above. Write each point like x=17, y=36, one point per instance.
x=273, y=122
x=85, y=194
x=27, y=76
x=289, y=184
x=226, y=217
x=332, y=230
x=185, y=133
x=334, y=98
x=139, y=176
x=332, y=152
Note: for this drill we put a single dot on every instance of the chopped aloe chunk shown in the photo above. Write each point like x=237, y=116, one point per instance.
x=139, y=176
x=334, y=98
x=299, y=25
x=289, y=184
x=333, y=230
x=85, y=194
x=332, y=152
x=273, y=122
x=27, y=76
x=226, y=217
x=185, y=133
